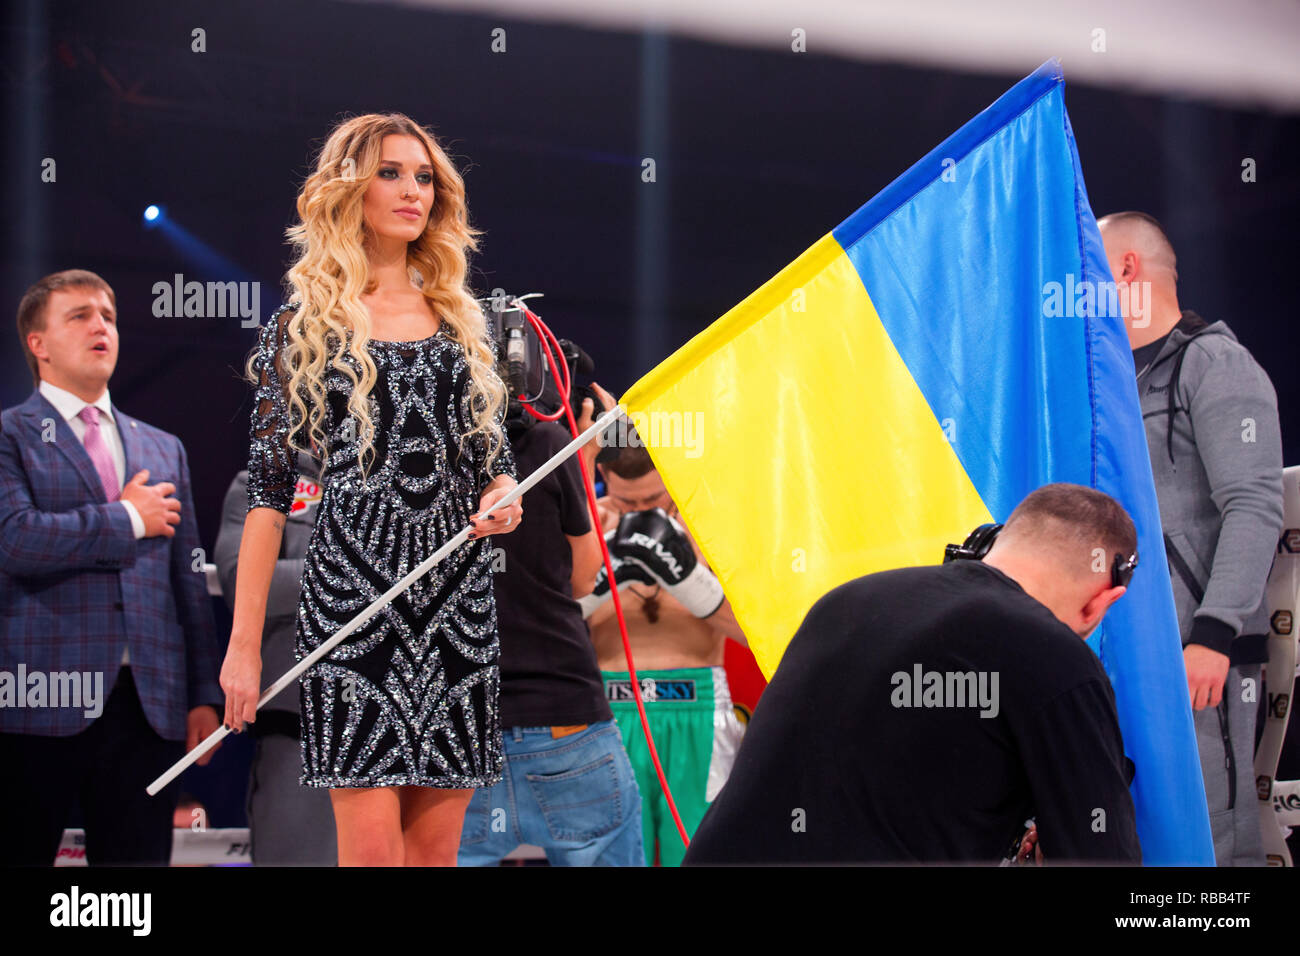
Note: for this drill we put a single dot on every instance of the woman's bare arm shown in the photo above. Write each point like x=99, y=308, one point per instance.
x=259, y=547
x=241, y=672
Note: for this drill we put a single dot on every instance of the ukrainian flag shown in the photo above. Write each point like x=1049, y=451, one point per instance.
x=916, y=372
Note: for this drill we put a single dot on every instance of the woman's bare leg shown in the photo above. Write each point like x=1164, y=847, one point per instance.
x=431, y=824
x=369, y=825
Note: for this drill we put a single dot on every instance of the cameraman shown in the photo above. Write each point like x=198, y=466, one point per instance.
x=567, y=785
x=866, y=748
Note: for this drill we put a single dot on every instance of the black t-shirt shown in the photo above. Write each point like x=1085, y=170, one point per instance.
x=549, y=675
x=1143, y=355
x=834, y=767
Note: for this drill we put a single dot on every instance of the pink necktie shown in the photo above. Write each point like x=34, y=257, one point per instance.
x=99, y=453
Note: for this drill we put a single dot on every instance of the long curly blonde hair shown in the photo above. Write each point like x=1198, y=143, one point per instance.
x=330, y=273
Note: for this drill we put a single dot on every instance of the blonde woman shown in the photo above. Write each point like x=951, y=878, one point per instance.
x=382, y=361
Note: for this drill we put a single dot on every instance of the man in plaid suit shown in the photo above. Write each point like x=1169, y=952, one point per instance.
x=109, y=653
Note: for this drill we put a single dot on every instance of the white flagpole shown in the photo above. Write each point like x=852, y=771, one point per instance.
x=379, y=603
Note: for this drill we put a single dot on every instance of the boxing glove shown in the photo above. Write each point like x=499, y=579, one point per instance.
x=653, y=540
x=625, y=575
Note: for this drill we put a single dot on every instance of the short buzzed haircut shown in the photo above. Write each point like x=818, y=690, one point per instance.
x=1149, y=228
x=1081, y=515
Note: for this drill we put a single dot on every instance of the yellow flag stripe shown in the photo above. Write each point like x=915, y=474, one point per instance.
x=804, y=413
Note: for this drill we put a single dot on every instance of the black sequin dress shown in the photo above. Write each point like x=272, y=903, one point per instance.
x=411, y=696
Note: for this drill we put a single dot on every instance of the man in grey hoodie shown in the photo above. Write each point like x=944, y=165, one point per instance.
x=1216, y=454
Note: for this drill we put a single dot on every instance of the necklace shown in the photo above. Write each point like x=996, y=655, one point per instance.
x=649, y=603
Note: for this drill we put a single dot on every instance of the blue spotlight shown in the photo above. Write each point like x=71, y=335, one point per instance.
x=152, y=213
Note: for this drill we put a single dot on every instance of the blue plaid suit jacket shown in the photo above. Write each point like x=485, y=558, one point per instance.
x=76, y=584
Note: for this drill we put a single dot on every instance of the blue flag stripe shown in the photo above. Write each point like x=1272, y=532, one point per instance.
x=958, y=256
x=966, y=311
x=1138, y=642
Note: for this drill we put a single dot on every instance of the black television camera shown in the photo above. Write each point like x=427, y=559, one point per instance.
x=523, y=367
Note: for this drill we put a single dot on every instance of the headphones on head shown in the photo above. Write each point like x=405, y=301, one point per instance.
x=977, y=544
x=980, y=541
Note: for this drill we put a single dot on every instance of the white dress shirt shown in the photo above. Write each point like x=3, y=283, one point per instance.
x=70, y=406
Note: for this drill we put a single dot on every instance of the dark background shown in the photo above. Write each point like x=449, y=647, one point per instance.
x=758, y=154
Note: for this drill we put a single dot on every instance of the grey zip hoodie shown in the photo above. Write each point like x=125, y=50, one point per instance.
x=1216, y=454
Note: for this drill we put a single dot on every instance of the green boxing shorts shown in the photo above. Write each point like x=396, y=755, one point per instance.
x=697, y=734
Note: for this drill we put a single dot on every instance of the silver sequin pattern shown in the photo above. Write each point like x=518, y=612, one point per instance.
x=409, y=698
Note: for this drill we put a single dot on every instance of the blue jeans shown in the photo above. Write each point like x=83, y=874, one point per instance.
x=575, y=797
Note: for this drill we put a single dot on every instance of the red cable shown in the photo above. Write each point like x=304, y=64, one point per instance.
x=540, y=416
x=544, y=333
x=563, y=383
